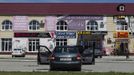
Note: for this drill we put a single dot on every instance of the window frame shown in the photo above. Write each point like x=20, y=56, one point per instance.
x=92, y=27
x=62, y=42
x=8, y=43
x=121, y=27
x=64, y=25
x=32, y=26
x=36, y=41
x=7, y=23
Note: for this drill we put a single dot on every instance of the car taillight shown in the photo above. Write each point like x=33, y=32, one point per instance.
x=78, y=57
x=51, y=57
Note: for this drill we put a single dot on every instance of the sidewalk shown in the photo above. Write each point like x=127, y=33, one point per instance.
x=118, y=58
x=10, y=56
x=104, y=58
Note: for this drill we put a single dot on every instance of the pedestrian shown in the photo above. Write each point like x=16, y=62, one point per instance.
x=127, y=53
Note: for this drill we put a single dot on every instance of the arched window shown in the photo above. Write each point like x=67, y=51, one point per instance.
x=121, y=25
x=92, y=25
x=7, y=25
x=61, y=25
x=34, y=25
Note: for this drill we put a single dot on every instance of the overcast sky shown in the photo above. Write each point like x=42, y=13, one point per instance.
x=67, y=1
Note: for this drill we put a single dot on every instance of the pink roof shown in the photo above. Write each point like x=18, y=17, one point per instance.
x=64, y=9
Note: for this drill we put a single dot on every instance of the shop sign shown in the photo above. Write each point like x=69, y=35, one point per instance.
x=83, y=33
x=65, y=35
x=118, y=41
x=83, y=18
x=76, y=25
x=40, y=35
x=98, y=32
x=121, y=8
x=20, y=23
x=121, y=35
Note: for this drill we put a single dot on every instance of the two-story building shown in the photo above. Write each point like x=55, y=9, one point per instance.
x=28, y=25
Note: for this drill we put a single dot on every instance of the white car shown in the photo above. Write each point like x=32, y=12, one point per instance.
x=18, y=52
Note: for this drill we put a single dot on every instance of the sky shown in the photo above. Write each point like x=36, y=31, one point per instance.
x=66, y=1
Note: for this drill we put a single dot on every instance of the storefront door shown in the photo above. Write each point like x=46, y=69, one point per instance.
x=33, y=45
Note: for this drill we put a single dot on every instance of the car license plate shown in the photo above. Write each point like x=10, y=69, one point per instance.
x=65, y=59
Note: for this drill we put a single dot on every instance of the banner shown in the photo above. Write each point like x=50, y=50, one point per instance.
x=65, y=35
x=20, y=23
x=76, y=25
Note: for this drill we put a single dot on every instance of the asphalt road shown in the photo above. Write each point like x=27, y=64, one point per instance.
x=104, y=64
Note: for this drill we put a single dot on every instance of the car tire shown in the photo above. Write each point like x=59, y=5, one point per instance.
x=93, y=62
x=52, y=68
x=78, y=69
x=100, y=56
x=38, y=61
x=12, y=56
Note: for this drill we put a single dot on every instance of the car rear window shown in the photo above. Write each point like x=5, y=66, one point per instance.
x=66, y=50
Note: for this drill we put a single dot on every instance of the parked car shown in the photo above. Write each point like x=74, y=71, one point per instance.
x=98, y=53
x=65, y=57
x=43, y=54
x=18, y=52
x=88, y=56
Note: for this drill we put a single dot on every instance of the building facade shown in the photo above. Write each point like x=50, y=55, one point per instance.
x=111, y=29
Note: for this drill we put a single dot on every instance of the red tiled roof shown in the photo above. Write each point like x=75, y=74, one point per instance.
x=64, y=8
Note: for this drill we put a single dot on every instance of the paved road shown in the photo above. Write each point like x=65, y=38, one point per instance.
x=105, y=64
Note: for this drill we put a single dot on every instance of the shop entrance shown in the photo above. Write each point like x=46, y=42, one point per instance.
x=121, y=47
x=94, y=42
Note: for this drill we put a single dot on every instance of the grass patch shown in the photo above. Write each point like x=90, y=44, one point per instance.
x=64, y=73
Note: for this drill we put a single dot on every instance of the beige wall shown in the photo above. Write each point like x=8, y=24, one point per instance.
x=131, y=45
x=2, y=18
x=110, y=26
x=5, y=34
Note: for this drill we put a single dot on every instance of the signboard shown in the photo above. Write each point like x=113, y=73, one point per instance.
x=98, y=32
x=20, y=43
x=121, y=35
x=76, y=25
x=83, y=18
x=20, y=23
x=65, y=35
x=78, y=22
x=40, y=35
x=50, y=23
x=83, y=33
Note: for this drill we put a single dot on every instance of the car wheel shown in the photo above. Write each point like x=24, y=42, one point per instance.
x=78, y=69
x=52, y=68
x=38, y=61
x=23, y=56
x=13, y=56
x=100, y=56
x=93, y=62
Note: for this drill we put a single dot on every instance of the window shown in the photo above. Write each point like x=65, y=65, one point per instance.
x=101, y=25
x=6, y=25
x=61, y=42
x=92, y=25
x=121, y=25
x=34, y=25
x=6, y=44
x=109, y=41
x=33, y=45
x=68, y=49
x=61, y=25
